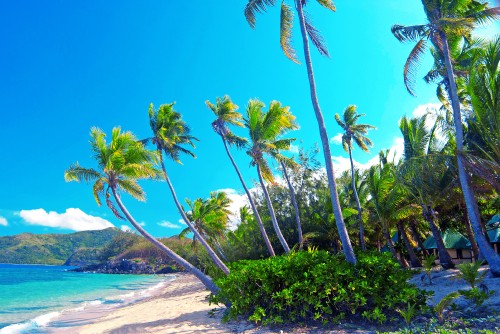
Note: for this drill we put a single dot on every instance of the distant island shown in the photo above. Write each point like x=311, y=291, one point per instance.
x=109, y=251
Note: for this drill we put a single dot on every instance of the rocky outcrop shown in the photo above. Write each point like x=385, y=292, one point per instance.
x=126, y=266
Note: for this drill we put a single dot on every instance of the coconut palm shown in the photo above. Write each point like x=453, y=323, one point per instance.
x=425, y=173
x=210, y=217
x=122, y=163
x=388, y=200
x=357, y=133
x=170, y=133
x=264, y=130
x=448, y=19
x=308, y=33
x=226, y=112
x=290, y=163
x=484, y=123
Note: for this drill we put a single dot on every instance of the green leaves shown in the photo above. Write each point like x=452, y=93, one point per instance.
x=316, y=285
x=256, y=6
x=286, y=24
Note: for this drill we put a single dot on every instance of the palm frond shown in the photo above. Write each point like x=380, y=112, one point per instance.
x=327, y=4
x=286, y=25
x=409, y=33
x=78, y=174
x=410, y=69
x=112, y=207
x=315, y=36
x=132, y=188
x=256, y=6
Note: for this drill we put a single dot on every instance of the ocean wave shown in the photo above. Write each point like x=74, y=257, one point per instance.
x=30, y=325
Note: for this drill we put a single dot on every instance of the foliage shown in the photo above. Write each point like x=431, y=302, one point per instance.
x=444, y=304
x=476, y=295
x=54, y=248
x=428, y=264
x=469, y=272
x=408, y=313
x=316, y=285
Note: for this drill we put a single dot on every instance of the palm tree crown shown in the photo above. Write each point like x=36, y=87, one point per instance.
x=353, y=131
x=264, y=129
x=121, y=164
x=446, y=18
x=170, y=132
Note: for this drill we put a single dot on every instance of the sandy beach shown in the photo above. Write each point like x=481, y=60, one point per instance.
x=182, y=307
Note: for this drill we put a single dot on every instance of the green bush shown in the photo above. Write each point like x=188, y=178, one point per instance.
x=316, y=285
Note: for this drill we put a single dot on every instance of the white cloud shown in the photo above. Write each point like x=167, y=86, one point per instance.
x=341, y=163
x=73, y=219
x=125, y=228
x=238, y=201
x=142, y=223
x=294, y=149
x=3, y=221
x=169, y=224
x=337, y=139
x=432, y=110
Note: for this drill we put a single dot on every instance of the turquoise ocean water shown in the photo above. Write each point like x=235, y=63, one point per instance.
x=34, y=297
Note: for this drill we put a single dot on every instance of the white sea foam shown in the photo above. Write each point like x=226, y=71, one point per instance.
x=40, y=321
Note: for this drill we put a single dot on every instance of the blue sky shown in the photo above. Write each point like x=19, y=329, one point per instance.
x=66, y=66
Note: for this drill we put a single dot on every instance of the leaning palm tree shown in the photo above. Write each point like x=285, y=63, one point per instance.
x=121, y=163
x=448, y=19
x=170, y=133
x=308, y=32
x=226, y=112
x=264, y=130
x=357, y=133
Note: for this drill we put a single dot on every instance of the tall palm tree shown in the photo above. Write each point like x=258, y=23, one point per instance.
x=170, y=133
x=308, y=32
x=356, y=132
x=264, y=130
x=226, y=112
x=448, y=19
x=121, y=163
x=426, y=174
x=484, y=122
x=290, y=163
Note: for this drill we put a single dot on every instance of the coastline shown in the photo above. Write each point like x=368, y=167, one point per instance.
x=179, y=307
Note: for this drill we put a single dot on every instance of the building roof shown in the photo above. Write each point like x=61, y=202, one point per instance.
x=494, y=235
x=452, y=240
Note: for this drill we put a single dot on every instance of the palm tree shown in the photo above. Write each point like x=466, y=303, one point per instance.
x=170, y=133
x=210, y=217
x=264, y=129
x=356, y=132
x=484, y=124
x=426, y=174
x=449, y=19
x=308, y=32
x=290, y=163
x=226, y=112
x=121, y=164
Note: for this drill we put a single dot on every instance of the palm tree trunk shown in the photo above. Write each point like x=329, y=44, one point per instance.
x=415, y=262
x=356, y=197
x=218, y=262
x=470, y=234
x=207, y=281
x=418, y=238
x=272, y=214
x=472, y=209
x=390, y=244
x=295, y=206
x=339, y=220
x=444, y=257
x=252, y=204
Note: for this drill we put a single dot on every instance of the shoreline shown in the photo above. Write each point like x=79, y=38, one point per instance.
x=179, y=307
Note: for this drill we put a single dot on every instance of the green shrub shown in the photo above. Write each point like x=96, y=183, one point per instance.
x=476, y=295
x=470, y=273
x=316, y=285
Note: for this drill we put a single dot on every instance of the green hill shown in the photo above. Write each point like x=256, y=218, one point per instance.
x=72, y=249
